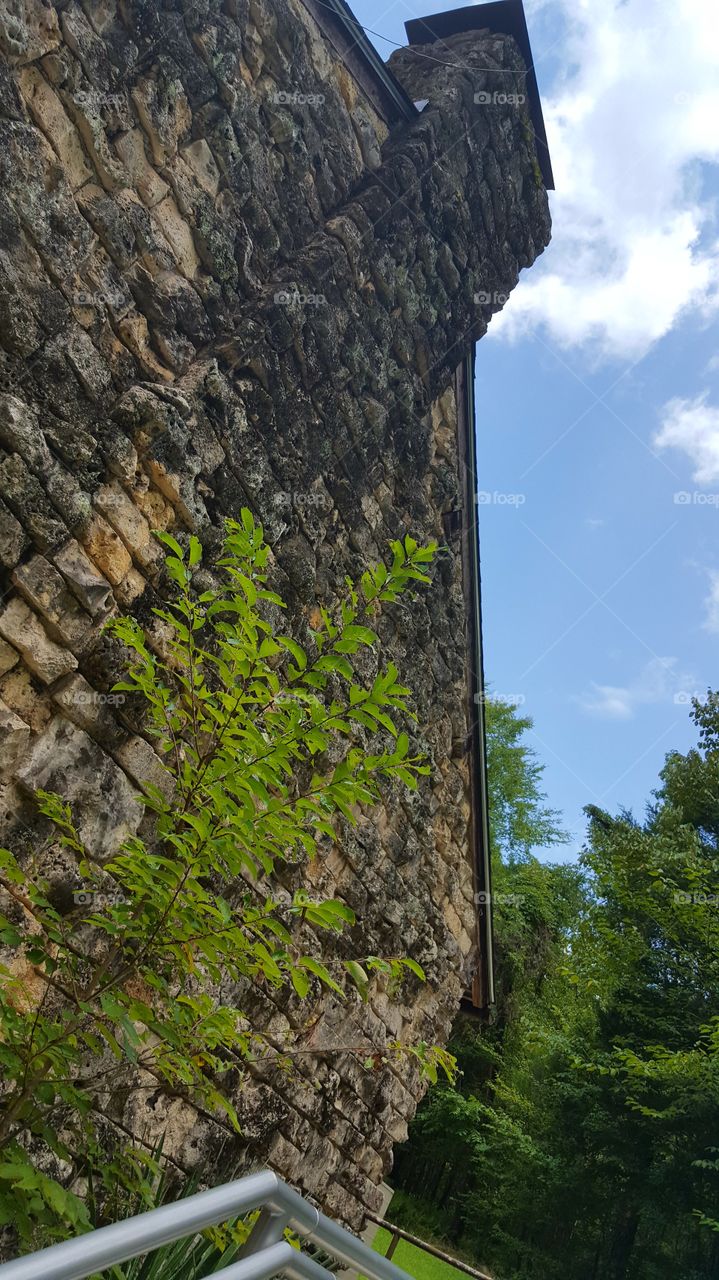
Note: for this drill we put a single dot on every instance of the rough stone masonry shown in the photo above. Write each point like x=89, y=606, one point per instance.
x=225, y=280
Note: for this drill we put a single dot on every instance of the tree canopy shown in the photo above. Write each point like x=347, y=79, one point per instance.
x=579, y=1140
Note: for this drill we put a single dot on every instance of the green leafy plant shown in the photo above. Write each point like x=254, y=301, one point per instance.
x=199, y=1254
x=266, y=744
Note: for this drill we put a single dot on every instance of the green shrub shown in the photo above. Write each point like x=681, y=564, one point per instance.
x=266, y=744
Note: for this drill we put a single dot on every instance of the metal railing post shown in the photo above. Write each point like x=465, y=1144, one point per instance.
x=269, y=1229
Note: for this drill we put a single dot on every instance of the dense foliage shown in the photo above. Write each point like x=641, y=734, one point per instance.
x=116, y=988
x=581, y=1139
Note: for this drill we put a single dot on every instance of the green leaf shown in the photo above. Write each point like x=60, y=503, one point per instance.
x=320, y=971
x=300, y=982
x=167, y=540
x=358, y=976
x=295, y=649
x=363, y=635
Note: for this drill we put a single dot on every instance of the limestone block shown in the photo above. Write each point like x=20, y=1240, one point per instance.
x=283, y=1155
x=104, y=805
x=17, y=689
x=194, y=1139
x=130, y=147
x=87, y=109
x=85, y=581
x=29, y=503
x=202, y=162
x=260, y=1110
x=49, y=114
x=85, y=44
x=102, y=14
x=13, y=540
x=159, y=513
x=46, y=208
x=70, y=500
x=46, y=591
x=106, y=550
x=90, y=710
x=388, y=1012
x=135, y=334
x=173, y=309
x=128, y=522
x=370, y=1161
x=28, y=29
x=13, y=30
x=14, y=737
x=89, y=367
x=24, y=630
x=341, y=1204
x=121, y=458
x=20, y=433
x=9, y=657
x=180, y=490
x=144, y=765
x=178, y=235
x=164, y=114
x=43, y=29
x=130, y=589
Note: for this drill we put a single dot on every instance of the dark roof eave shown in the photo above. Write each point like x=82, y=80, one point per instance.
x=337, y=21
x=501, y=17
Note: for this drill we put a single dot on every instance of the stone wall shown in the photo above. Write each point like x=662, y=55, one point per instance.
x=225, y=281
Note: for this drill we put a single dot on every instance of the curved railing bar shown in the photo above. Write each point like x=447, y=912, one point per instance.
x=265, y=1254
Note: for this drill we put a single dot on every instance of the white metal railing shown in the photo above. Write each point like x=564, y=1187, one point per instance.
x=265, y=1254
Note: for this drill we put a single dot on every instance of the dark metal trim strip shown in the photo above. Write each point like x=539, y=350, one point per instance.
x=482, y=990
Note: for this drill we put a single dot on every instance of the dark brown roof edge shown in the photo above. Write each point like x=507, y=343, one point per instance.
x=481, y=993
x=339, y=25
x=501, y=17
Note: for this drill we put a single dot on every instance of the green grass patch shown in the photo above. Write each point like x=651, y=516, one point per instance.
x=420, y=1265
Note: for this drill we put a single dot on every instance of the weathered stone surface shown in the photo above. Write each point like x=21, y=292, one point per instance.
x=104, y=805
x=12, y=538
x=20, y=433
x=225, y=280
x=143, y=765
x=107, y=551
x=45, y=590
x=120, y=511
x=9, y=657
x=14, y=738
x=90, y=710
x=19, y=690
x=49, y=114
x=23, y=629
x=30, y=504
x=87, y=584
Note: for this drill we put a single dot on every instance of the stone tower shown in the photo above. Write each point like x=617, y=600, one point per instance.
x=244, y=263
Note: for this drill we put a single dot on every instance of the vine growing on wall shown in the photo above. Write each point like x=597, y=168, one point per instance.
x=265, y=744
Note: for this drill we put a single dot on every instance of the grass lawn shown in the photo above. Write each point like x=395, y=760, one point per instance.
x=420, y=1265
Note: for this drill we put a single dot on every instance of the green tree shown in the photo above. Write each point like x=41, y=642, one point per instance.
x=584, y=1123
x=460, y=1137
x=521, y=820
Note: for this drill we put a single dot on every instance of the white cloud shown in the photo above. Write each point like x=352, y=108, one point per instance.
x=659, y=681
x=629, y=125
x=693, y=425
x=711, y=603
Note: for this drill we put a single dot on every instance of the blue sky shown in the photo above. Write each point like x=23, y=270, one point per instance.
x=598, y=402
